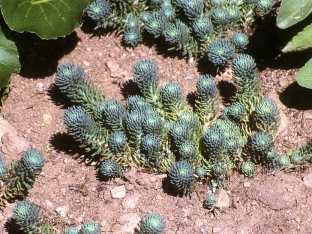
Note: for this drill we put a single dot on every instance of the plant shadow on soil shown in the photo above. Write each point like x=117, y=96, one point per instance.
x=38, y=57
x=297, y=97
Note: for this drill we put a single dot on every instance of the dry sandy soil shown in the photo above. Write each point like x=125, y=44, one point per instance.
x=69, y=190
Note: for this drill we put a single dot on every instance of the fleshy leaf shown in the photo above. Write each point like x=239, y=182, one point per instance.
x=292, y=12
x=47, y=18
x=304, y=75
x=301, y=41
x=8, y=58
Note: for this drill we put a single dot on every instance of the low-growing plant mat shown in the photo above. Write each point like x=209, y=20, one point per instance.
x=70, y=190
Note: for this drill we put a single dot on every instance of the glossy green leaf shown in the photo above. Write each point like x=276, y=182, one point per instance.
x=292, y=12
x=9, y=61
x=304, y=75
x=49, y=19
x=301, y=41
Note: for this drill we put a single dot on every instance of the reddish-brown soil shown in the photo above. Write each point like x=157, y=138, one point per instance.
x=69, y=191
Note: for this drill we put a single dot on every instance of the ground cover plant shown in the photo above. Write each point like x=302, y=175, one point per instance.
x=190, y=167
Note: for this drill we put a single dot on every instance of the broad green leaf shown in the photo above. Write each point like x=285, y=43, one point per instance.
x=292, y=12
x=301, y=41
x=8, y=58
x=304, y=75
x=47, y=18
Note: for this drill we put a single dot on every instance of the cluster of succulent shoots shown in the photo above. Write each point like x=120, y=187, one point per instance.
x=188, y=26
x=159, y=130
x=30, y=220
x=19, y=176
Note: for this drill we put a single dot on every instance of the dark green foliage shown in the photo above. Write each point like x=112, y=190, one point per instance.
x=145, y=16
x=236, y=112
x=193, y=8
x=132, y=36
x=216, y=3
x=214, y=141
x=3, y=169
x=218, y=175
x=99, y=11
x=240, y=41
x=147, y=77
x=182, y=177
x=188, y=151
x=156, y=24
x=264, y=7
x=235, y=16
x=150, y=148
x=172, y=99
x=27, y=216
x=78, y=88
x=220, y=52
x=281, y=161
x=136, y=102
x=134, y=120
x=152, y=123
x=169, y=12
x=210, y=201
x=111, y=169
x=132, y=21
x=260, y=144
x=85, y=130
x=90, y=228
x=249, y=169
x=152, y=224
x=72, y=230
x=113, y=114
x=201, y=172
x=189, y=118
x=267, y=117
x=207, y=99
x=20, y=175
x=202, y=27
x=117, y=142
x=246, y=79
x=180, y=133
x=221, y=19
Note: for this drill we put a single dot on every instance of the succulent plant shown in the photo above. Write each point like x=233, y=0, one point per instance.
x=147, y=77
x=152, y=123
x=200, y=171
x=135, y=102
x=134, y=120
x=72, y=230
x=249, y=169
x=219, y=175
x=202, y=27
x=281, y=161
x=85, y=130
x=220, y=52
x=74, y=83
x=236, y=112
x=182, y=177
x=27, y=216
x=169, y=12
x=220, y=18
x=240, y=41
x=132, y=36
x=264, y=7
x=90, y=228
x=156, y=24
x=267, y=116
x=132, y=21
x=235, y=16
x=152, y=224
x=210, y=201
x=172, y=99
x=189, y=118
x=111, y=169
x=180, y=133
x=213, y=141
x=117, y=142
x=188, y=151
x=207, y=99
x=113, y=113
x=3, y=170
x=217, y=3
x=150, y=147
x=99, y=11
x=193, y=8
x=260, y=144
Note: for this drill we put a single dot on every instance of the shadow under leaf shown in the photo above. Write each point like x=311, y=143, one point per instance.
x=297, y=97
